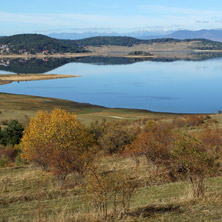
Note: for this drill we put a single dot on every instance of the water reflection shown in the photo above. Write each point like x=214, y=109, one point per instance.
x=43, y=65
x=176, y=86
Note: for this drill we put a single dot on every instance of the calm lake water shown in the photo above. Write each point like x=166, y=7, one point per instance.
x=179, y=86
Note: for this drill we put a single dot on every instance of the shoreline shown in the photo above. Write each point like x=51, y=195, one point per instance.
x=100, y=107
x=74, y=56
x=108, y=53
x=65, y=55
x=23, y=107
x=9, y=78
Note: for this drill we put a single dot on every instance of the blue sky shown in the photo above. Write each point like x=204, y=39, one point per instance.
x=47, y=16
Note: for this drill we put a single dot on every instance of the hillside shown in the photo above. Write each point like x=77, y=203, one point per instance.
x=35, y=43
x=116, y=40
x=105, y=40
x=133, y=185
x=198, y=44
x=28, y=44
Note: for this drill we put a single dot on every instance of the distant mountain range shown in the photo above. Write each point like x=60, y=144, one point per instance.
x=212, y=34
x=75, y=36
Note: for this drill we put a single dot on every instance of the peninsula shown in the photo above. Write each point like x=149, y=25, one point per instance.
x=9, y=78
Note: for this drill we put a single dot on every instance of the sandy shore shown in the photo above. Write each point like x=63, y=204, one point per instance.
x=9, y=78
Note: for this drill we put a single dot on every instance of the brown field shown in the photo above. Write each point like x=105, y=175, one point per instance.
x=156, y=49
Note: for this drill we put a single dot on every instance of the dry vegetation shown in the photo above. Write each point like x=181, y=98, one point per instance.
x=156, y=48
x=131, y=177
x=29, y=194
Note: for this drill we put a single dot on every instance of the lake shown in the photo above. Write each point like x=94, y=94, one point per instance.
x=164, y=86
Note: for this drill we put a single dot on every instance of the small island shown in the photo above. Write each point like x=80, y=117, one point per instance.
x=135, y=54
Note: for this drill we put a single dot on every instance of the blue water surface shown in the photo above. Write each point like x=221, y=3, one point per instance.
x=179, y=86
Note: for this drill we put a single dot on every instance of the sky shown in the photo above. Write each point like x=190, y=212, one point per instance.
x=56, y=16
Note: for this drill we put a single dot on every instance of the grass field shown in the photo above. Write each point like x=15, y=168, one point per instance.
x=22, y=107
x=28, y=194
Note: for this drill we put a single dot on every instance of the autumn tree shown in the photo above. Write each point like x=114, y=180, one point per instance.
x=212, y=139
x=190, y=157
x=115, y=136
x=180, y=155
x=57, y=141
x=153, y=143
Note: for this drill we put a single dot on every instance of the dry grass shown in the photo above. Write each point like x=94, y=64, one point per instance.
x=28, y=194
x=22, y=107
x=166, y=50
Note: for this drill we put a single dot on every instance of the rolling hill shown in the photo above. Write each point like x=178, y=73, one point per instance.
x=35, y=43
x=198, y=44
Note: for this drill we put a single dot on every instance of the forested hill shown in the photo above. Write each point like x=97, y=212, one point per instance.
x=118, y=41
x=203, y=44
x=35, y=43
x=105, y=40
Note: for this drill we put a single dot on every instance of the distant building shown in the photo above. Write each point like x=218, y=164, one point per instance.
x=45, y=52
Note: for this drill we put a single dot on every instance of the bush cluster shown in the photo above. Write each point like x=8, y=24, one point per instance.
x=181, y=149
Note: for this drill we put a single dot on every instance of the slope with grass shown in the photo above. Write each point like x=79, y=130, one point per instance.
x=28, y=194
x=22, y=107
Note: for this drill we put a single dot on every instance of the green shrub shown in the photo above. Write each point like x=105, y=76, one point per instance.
x=12, y=134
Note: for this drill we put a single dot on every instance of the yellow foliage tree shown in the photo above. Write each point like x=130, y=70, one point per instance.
x=58, y=142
